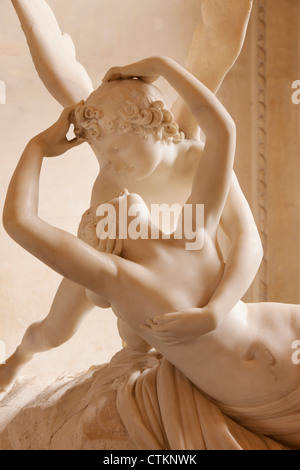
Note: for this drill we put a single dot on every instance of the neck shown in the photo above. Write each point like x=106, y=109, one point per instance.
x=172, y=154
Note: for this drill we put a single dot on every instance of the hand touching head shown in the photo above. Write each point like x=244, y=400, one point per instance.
x=122, y=107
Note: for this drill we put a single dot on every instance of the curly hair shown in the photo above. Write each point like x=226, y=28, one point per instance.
x=125, y=106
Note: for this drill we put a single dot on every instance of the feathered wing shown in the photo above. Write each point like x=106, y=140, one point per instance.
x=53, y=53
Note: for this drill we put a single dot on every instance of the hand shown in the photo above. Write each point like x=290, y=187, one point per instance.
x=94, y=233
x=179, y=327
x=111, y=244
x=146, y=70
x=53, y=141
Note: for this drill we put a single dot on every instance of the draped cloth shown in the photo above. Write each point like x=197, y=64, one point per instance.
x=137, y=401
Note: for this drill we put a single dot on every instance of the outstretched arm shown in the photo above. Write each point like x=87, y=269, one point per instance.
x=53, y=53
x=63, y=252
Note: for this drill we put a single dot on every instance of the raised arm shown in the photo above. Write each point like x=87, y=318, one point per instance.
x=61, y=251
x=53, y=53
x=213, y=176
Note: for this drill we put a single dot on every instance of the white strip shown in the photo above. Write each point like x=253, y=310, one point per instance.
x=2, y=92
x=2, y=352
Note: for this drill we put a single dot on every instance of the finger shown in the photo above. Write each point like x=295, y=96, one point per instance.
x=166, y=317
x=113, y=77
x=69, y=109
x=69, y=144
x=64, y=119
x=76, y=141
x=149, y=79
x=144, y=326
x=111, y=241
x=161, y=336
x=148, y=325
x=160, y=328
x=72, y=110
x=167, y=339
x=110, y=245
x=113, y=74
x=102, y=243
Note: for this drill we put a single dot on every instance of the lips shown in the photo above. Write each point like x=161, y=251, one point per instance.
x=128, y=170
x=131, y=170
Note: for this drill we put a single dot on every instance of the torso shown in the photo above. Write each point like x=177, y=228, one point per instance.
x=235, y=364
x=246, y=361
x=169, y=278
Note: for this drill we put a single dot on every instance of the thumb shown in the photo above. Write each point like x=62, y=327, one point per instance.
x=75, y=141
x=69, y=144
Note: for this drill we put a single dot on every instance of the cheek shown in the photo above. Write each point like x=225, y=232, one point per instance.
x=147, y=155
x=150, y=158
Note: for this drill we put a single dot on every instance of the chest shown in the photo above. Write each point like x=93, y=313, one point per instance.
x=173, y=280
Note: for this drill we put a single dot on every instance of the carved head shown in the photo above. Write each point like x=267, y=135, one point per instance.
x=126, y=121
x=125, y=107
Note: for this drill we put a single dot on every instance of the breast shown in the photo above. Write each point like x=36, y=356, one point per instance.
x=197, y=276
x=185, y=279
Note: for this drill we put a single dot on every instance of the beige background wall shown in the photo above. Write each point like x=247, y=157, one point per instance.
x=258, y=94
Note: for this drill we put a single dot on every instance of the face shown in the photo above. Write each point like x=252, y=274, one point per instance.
x=123, y=210
x=131, y=154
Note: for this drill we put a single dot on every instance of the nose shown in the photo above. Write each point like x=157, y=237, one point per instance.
x=124, y=192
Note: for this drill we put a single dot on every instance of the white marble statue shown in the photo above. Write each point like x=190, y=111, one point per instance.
x=237, y=354
x=216, y=45
x=240, y=358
